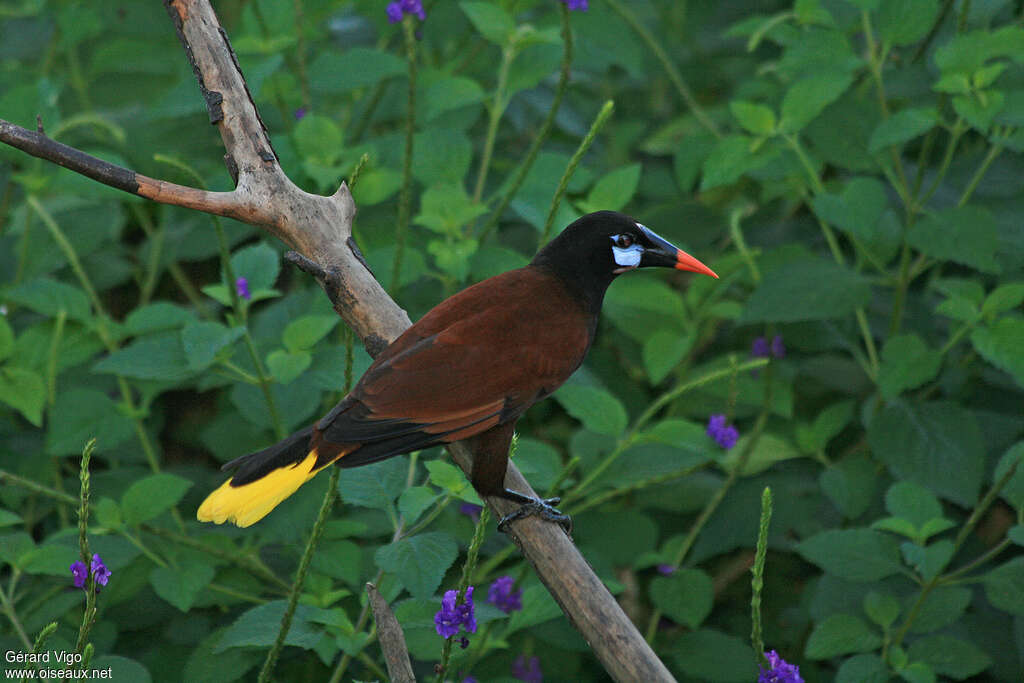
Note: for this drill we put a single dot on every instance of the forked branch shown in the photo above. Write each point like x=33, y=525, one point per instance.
x=320, y=229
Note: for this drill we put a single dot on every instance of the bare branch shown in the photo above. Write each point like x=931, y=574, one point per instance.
x=320, y=230
x=392, y=640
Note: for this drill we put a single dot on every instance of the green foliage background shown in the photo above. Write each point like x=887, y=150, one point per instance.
x=853, y=171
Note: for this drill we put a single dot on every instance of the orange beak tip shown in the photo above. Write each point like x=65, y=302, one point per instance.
x=686, y=262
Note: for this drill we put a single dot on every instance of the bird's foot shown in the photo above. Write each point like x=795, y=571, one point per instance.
x=542, y=507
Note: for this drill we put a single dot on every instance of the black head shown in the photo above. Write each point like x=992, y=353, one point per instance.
x=600, y=246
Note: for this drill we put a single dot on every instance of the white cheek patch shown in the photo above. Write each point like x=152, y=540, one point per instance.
x=628, y=257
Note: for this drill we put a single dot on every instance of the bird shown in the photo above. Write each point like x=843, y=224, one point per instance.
x=467, y=370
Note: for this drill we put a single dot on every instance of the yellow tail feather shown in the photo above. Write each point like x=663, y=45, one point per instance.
x=247, y=504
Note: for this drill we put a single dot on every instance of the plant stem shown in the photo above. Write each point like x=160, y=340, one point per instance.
x=300, y=576
x=508, y=54
x=405, y=198
x=545, y=128
x=757, y=582
x=673, y=73
x=8, y=604
x=993, y=152
x=595, y=127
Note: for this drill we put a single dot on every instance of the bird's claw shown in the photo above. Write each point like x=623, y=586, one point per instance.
x=544, y=508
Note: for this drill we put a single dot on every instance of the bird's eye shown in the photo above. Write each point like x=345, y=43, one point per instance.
x=624, y=240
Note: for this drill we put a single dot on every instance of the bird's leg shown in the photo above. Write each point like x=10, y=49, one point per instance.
x=490, y=460
x=543, y=507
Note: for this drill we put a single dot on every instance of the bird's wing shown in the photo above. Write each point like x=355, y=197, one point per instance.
x=478, y=359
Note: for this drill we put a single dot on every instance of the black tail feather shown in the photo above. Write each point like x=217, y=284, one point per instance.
x=253, y=466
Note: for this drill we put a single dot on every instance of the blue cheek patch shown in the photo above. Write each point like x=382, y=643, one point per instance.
x=628, y=257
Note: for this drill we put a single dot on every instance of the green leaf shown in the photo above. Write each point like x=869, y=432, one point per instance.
x=8, y=518
x=980, y=108
x=286, y=366
x=755, y=118
x=1013, y=492
x=447, y=209
x=258, y=264
x=827, y=425
x=538, y=607
x=709, y=655
x=902, y=127
x=374, y=486
x=50, y=297
x=731, y=157
x=157, y=317
x=841, y=634
x=375, y=185
x=912, y=502
x=318, y=138
x=943, y=606
x=614, y=190
x=967, y=235
x=663, y=351
x=597, y=409
x=642, y=306
x=493, y=23
x=902, y=22
x=930, y=560
x=854, y=554
x=259, y=627
x=882, y=608
x=1004, y=586
x=50, y=560
x=949, y=656
x=1003, y=298
x=1001, y=343
x=304, y=332
x=863, y=669
x=441, y=155
x=361, y=66
x=156, y=357
x=906, y=363
x=80, y=414
x=806, y=98
x=419, y=561
x=6, y=339
x=147, y=498
x=860, y=210
x=685, y=597
x=768, y=450
x=938, y=445
x=448, y=93
x=414, y=500
x=453, y=255
x=793, y=292
x=690, y=156
x=451, y=479
x=181, y=586
x=850, y=484
x=202, y=342
x=23, y=390
x=121, y=668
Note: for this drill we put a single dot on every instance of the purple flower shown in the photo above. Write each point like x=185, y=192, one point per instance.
x=242, y=287
x=501, y=595
x=100, y=573
x=396, y=10
x=581, y=5
x=452, y=616
x=725, y=435
x=472, y=511
x=527, y=670
x=463, y=642
x=779, y=670
x=414, y=7
x=759, y=348
x=469, y=679
x=79, y=573
x=666, y=569
x=300, y=113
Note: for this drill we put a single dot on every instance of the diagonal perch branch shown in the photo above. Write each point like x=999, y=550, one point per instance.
x=320, y=229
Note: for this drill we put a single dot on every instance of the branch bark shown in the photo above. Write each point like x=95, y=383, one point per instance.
x=320, y=228
x=392, y=640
